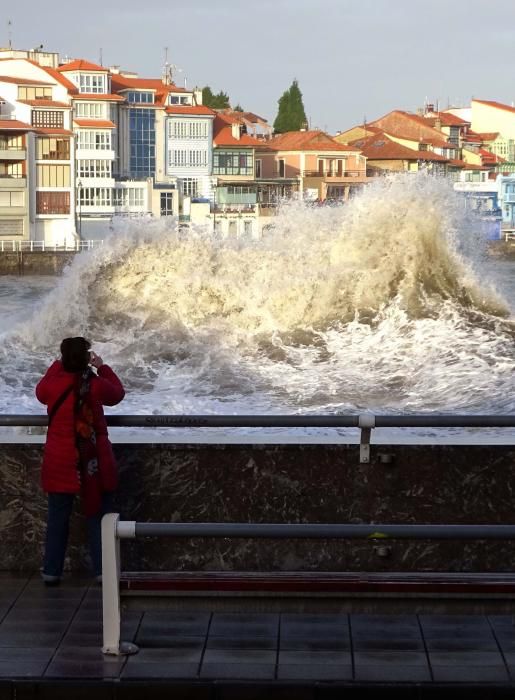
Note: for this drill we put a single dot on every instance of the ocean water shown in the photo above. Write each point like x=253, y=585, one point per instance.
x=388, y=304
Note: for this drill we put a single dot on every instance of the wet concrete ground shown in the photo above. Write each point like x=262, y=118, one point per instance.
x=51, y=638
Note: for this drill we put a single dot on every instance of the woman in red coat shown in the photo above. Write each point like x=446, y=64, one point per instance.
x=78, y=456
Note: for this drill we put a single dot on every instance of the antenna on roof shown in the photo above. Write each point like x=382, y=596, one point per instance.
x=10, y=33
x=101, y=57
x=169, y=69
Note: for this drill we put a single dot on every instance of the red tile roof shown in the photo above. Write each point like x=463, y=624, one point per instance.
x=46, y=103
x=14, y=125
x=497, y=105
x=488, y=135
x=472, y=137
x=81, y=65
x=307, y=141
x=222, y=134
x=411, y=127
x=56, y=132
x=53, y=73
x=450, y=119
x=190, y=109
x=94, y=123
x=22, y=81
x=380, y=147
x=121, y=83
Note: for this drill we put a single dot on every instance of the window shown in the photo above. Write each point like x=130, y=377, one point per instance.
x=11, y=199
x=11, y=143
x=179, y=100
x=90, y=110
x=282, y=167
x=95, y=196
x=52, y=175
x=190, y=187
x=50, y=119
x=129, y=197
x=142, y=135
x=34, y=93
x=233, y=228
x=135, y=96
x=258, y=167
x=94, y=168
x=48, y=148
x=188, y=129
x=91, y=83
x=166, y=203
x=247, y=230
x=183, y=158
x=52, y=202
x=232, y=162
x=91, y=140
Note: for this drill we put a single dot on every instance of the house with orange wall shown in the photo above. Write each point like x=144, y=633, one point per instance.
x=322, y=167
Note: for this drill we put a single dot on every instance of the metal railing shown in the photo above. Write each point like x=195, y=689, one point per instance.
x=42, y=247
x=114, y=529
x=365, y=422
x=330, y=174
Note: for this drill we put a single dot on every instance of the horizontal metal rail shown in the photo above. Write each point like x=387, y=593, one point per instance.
x=113, y=529
x=130, y=529
x=430, y=420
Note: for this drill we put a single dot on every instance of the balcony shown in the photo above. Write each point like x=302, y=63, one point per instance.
x=12, y=153
x=12, y=182
x=345, y=174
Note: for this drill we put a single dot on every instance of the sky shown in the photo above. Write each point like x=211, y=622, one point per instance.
x=353, y=59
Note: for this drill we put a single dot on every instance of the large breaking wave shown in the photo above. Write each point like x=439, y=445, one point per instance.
x=380, y=304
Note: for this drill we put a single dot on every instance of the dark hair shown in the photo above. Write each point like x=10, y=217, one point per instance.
x=75, y=354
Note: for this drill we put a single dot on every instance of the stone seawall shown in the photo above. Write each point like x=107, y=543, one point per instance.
x=48, y=262
x=280, y=483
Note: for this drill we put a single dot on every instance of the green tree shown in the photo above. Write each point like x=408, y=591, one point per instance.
x=238, y=108
x=291, y=115
x=219, y=100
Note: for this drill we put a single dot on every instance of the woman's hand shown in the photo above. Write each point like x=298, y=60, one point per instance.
x=95, y=360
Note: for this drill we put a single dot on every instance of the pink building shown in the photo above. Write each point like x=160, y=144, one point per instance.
x=322, y=167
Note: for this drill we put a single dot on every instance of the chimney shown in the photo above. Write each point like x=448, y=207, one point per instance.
x=197, y=96
x=235, y=131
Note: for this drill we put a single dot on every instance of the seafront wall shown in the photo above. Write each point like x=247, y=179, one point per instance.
x=280, y=483
x=26, y=262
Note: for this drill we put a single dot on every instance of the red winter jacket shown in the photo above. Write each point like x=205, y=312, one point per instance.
x=59, y=469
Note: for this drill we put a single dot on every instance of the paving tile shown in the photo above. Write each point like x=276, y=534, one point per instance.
x=187, y=654
x=238, y=671
x=28, y=639
x=315, y=644
x=173, y=625
x=384, y=621
x=480, y=644
x=470, y=674
x=502, y=621
x=22, y=669
x=453, y=620
x=41, y=615
x=404, y=658
x=27, y=654
x=385, y=643
x=84, y=669
x=464, y=658
x=234, y=656
x=392, y=673
x=242, y=643
x=332, y=672
x=135, y=669
x=317, y=658
x=236, y=625
x=306, y=626
x=506, y=640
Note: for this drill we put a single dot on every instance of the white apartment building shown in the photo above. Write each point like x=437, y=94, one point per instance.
x=189, y=143
x=34, y=96
x=99, y=197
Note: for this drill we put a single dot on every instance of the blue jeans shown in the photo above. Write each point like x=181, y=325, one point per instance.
x=58, y=525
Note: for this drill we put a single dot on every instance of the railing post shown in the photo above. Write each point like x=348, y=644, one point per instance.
x=366, y=422
x=111, y=589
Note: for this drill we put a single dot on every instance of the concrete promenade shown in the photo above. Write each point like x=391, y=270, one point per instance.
x=50, y=647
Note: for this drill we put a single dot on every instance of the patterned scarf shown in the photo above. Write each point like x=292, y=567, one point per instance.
x=86, y=441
